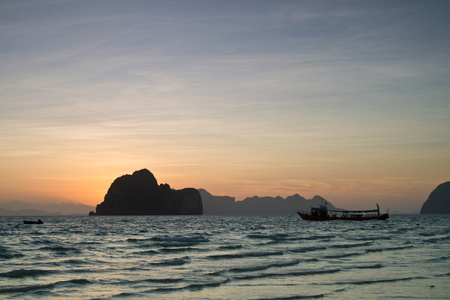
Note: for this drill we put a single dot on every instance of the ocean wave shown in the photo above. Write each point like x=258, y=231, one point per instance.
x=403, y=230
x=75, y=262
x=287, y=274
x=275, y=237
x=163, y=280
x=61, y=250
x=134, y=240
x=37, y=287
x=313, y=296
x=9, y=254
x=427, y=234
x=264, y=267
x=245, y=254
x=437, y=239
x=295, y=297
x=75, y=281
x=22, y=273
x=317, y=237
x=343, y=255
x=144, y=241
x=89, y=243
x=45, y=242
x=372, y=238
x=178, y=250
x=102, y=233
x=351, y=245
x=438, y=259
x=26, y=288
x=173, y=262
x=81, y=271
x=128, y=295
x=389, y=249
x=375, y=281
x=200, y=286
x=191, y=287
x=146, y=252
x=179, y=240
x=230, y=247
x=375, y=266
x=307, y=249
x=126, y=282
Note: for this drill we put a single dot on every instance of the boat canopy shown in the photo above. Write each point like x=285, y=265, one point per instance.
x=322, y=213
x=354, y=211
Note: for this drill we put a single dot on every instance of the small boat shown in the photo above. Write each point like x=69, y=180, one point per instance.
x=33, y=222
x=322, y=213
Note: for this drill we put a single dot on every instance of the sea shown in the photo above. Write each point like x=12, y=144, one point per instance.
x=224, y=257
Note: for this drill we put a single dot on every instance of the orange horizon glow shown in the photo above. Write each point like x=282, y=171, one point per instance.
x=401, y=194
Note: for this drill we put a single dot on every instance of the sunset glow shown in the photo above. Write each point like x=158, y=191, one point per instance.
x=347, y=100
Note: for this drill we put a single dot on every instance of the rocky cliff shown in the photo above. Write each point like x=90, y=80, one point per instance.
x=140, y=194
x=439, y=200
x=217, y=205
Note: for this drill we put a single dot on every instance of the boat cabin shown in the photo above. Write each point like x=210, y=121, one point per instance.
x=321, y=211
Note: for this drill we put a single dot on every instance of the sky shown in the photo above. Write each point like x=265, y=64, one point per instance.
x=349, y=100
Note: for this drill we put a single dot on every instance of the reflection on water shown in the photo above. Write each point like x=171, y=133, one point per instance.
x=212, y=257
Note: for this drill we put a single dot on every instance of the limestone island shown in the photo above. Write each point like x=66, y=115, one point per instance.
x=439, y=200
x=140, y=194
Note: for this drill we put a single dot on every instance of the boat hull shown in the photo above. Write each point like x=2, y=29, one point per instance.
x=33, y=222
x=347, y=218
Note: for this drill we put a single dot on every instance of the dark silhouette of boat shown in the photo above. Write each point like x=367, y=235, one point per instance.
x=33, y=222
x=322, y=213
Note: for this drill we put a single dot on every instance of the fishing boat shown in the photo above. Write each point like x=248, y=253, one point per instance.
x=33, y=222
x=322, y=213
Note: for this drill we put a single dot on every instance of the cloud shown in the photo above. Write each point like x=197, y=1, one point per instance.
x=335, y=89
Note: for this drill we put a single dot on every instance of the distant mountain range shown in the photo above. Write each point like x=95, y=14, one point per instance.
x=224, y=205
x=438, y=202
x=212, y=205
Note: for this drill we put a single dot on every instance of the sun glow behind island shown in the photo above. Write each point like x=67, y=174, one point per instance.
x=240, y=98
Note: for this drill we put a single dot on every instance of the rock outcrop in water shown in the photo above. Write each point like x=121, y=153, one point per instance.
x=439, y=200
x=140, y=194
